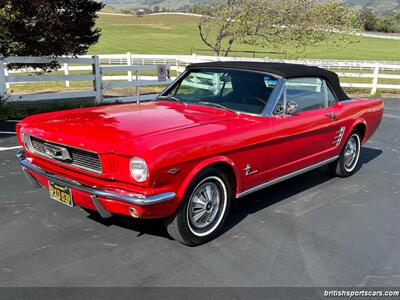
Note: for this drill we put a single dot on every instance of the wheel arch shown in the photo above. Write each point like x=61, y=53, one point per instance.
x=361, y=126
x=222, y=162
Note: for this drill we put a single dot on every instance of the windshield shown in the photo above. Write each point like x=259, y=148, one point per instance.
x=240, y=91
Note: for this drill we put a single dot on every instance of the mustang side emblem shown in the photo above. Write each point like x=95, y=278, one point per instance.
x=56, y=152
x=248, y=170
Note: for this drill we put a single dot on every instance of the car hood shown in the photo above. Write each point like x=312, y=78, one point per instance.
x=105, y=129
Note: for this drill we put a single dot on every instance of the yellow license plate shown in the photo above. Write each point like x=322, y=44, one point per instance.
x=61, y=194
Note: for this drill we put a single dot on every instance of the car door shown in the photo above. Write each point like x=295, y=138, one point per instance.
x=300, y=139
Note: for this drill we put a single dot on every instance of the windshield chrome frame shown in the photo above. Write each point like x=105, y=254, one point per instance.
x=274, y=98
x=271, y=103
x=170, y=87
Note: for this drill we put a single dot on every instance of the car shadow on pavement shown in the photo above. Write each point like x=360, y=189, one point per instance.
x=279, y=192
x=244, y=206
x=142, y=227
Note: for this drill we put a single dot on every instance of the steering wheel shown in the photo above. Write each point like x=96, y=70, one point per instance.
x=251, y=99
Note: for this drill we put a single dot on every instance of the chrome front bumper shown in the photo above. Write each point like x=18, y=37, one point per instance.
x=94, y=192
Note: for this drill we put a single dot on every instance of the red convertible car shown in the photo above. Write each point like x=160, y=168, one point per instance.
x=220, y=131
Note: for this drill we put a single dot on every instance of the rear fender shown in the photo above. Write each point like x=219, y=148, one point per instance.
x=356, y=123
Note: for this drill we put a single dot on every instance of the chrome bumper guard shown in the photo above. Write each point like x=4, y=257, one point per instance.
x=94, y=192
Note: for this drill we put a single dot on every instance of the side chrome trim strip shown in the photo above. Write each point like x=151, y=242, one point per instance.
x=283, y=178
x=134, y=200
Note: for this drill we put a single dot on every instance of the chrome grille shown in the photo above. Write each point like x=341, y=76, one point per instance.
x=81, y=159
x=38, y=146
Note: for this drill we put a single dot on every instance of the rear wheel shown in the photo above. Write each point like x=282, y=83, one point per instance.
x=203, y=209
x=346, y=164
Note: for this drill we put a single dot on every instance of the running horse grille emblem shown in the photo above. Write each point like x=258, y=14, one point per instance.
x=56, y=152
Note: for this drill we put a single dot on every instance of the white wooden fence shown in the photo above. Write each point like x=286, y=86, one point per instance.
x=102, y=69
x=95, y=72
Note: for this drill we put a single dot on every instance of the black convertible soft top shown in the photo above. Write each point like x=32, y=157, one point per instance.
x=282, y=70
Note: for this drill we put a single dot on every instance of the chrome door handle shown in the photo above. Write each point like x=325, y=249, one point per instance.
x=332, y=116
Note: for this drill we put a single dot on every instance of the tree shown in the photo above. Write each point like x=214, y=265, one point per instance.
x=275, y=23
x=48, y=28
x=389, y=22
x=225, y=22
x=369, y=20
x=396, y=21
x=194, y=9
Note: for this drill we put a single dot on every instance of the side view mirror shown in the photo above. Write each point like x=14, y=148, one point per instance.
x=292, y=108
x=279, y=109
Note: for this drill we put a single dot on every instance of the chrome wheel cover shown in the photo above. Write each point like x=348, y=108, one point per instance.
x=206, y=206
x=352, y=152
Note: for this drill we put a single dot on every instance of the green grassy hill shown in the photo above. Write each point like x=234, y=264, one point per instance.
x=377, y=5
x=169, y=34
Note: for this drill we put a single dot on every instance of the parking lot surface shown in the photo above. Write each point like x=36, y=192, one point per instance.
x=313, y=230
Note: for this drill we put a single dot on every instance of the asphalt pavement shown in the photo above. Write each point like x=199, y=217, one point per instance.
x=313, y=230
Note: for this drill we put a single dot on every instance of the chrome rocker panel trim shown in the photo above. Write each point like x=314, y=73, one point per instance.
x=284, y=177
x=27, y=165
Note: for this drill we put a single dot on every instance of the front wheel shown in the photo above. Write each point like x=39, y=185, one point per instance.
x=203, y=209
x=346, y=164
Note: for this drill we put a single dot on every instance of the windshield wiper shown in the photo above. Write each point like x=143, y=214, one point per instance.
x=168, y=98
x=212, y=104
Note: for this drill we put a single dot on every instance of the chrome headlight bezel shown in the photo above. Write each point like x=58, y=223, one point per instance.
x=138, y=169
x=26, y=139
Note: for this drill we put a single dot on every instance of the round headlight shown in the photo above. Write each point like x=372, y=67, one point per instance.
x=138, y=169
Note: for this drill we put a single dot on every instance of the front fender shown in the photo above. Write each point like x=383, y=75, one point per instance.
x=204, y=164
